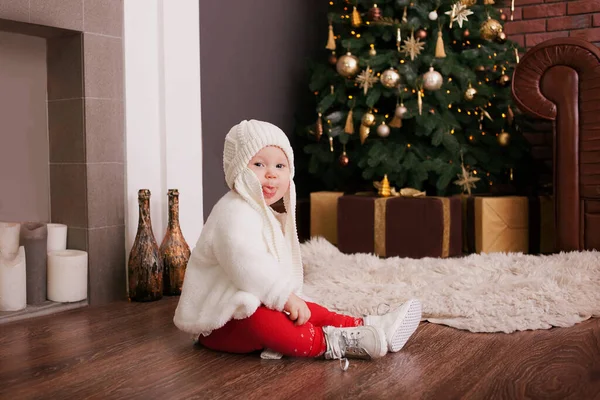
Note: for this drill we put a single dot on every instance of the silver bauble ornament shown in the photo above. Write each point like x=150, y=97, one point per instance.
x=390, y=78
x=383, y=130
x=347, y=65
x=401, y=110
x=368, y=119
x=433, y=15
x=432, y=80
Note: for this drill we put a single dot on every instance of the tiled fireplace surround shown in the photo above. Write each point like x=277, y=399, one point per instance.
x=85, y=125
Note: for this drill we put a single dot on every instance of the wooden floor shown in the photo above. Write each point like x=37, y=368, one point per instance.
x=133, y=351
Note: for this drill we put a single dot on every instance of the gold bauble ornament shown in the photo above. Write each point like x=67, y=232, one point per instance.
x=372, y=52
x=490, y=29
x=504, y=79
x=390, y=78
x=469, y=3
x=368, y=119
x=383, y=130
x=470, y=93
x=503, y=138
x=501, y=37
x=347, y=65
x=480, y=68
x=432, y=80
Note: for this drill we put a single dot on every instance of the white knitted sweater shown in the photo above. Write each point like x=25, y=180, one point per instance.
x=233, y=268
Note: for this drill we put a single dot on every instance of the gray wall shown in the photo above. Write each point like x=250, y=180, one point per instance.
x=24, y=168
x=253, y=66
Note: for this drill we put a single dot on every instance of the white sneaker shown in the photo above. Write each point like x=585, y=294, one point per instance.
x=365, y=342
x=399, y=324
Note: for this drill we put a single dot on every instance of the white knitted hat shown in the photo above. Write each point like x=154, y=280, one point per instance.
x=246, y=139
x=241, y=144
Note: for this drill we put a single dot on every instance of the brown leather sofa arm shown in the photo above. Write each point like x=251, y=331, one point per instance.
x=559, y=80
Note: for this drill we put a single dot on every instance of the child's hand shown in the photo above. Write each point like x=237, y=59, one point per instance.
x=297, y=309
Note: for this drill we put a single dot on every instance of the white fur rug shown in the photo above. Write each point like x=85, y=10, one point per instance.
x=496, y=292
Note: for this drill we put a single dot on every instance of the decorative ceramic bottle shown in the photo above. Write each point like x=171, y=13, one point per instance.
x=145, y=267
x=174, y=251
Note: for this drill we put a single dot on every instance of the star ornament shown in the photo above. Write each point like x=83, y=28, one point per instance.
x=458, y=13
x=366, y=79
x=466, y=180
x=412, y=47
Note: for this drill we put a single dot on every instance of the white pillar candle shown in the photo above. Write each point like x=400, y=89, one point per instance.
x=67, y=275
x=57, y=237
x=13, y=281
x=9, y=237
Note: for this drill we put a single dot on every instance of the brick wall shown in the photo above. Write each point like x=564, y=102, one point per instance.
x=538, y=20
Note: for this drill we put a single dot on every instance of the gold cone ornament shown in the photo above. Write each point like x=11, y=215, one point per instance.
x=363, y=133
x=510, y=116
x=356, y=20
x=330, y=39
x=439, y=46
x=384, y=190
x=349, y=127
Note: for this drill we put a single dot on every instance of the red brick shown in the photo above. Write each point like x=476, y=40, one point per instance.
x=534, y=38
x=538, y=25
x=545, y=10
x=584, y=6
x=591, y=35
x=517, y=15
x=596, y=19
x=519, y=39
x=525, y=2
x=553, y=1
x=568, y=23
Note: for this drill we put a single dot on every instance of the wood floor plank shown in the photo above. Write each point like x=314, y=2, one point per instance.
x=133, y=351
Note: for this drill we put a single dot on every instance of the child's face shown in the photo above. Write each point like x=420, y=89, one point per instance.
x=271, y=167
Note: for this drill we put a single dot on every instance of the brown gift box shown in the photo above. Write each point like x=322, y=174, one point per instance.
x=323, y=215
x=497, y=224
x=400, y=226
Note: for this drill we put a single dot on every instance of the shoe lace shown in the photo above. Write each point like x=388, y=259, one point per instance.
x=352, y=345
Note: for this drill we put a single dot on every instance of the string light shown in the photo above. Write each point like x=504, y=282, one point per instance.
x=408, y=145
x=448, y=91
x=350, y=97
x=471, y=137
x=452, y=132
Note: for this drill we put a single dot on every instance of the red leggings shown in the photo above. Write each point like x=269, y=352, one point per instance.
x=272, y=329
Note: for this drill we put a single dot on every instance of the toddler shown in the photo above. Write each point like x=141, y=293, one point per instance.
x=243, y=284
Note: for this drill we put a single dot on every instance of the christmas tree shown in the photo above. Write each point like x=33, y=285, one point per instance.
x=418, y=91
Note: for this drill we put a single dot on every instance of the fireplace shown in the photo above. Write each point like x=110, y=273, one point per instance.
x=79, y=177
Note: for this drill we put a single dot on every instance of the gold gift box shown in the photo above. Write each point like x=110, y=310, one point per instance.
x=497, y=224
x=323, y=215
